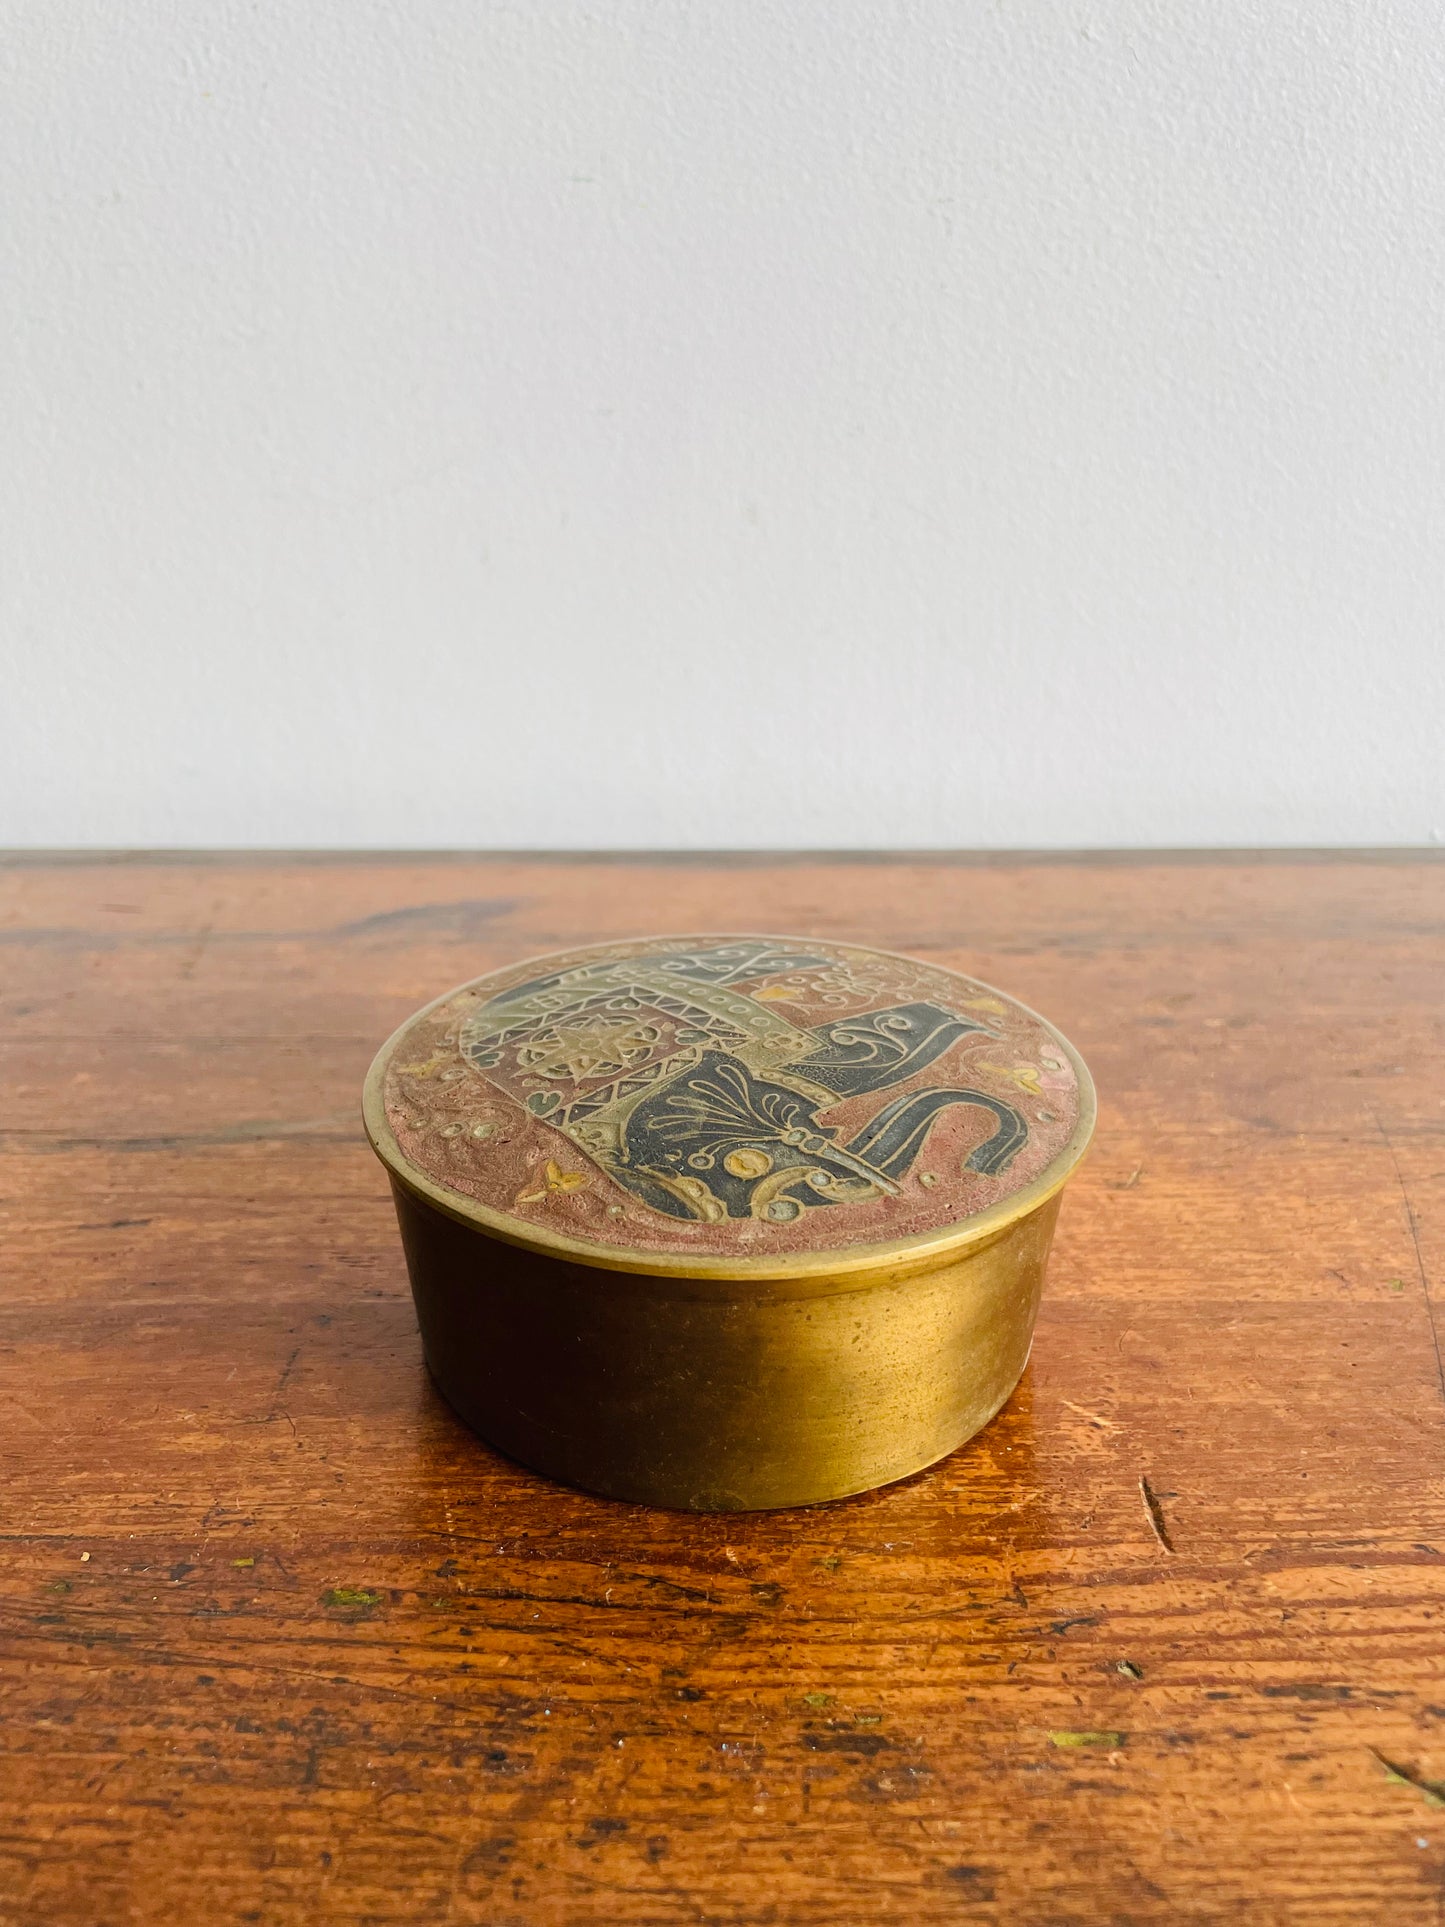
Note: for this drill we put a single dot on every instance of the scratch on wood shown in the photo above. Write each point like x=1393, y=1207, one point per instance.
x=1154, y=1513
x=1414, y=1229
x=286, y=1371
x=1092, y=1417
x=203, y=938
x=451, y=1526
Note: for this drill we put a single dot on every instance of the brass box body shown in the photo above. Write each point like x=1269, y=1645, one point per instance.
x=722, y=1395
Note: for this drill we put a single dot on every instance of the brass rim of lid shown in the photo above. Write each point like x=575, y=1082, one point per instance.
x=918, y=1252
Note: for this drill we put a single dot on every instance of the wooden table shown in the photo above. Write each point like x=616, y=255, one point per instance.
x=284, y=1643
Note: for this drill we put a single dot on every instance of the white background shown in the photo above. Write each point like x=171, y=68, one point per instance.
x=776, y=422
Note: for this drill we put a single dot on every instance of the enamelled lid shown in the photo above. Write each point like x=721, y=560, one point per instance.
x=721, y=1106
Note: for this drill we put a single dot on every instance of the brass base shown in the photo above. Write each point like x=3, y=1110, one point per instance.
x=723, y=1395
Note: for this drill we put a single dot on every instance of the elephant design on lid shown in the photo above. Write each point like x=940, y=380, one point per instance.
x=675, y=1072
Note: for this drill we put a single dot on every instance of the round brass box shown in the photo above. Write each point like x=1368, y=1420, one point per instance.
x=726, y=1222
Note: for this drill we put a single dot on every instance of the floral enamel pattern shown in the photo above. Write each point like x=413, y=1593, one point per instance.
x=730, y=1094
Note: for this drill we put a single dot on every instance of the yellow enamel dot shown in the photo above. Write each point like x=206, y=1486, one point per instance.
x=748, y=1163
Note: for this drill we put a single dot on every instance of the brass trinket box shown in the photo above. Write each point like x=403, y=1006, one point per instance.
x=726, y=1222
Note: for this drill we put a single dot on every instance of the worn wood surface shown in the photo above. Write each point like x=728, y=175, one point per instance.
x=283, y=1643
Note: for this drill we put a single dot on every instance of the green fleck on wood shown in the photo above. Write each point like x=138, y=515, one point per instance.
x=1087, y=1739
x=350, y=1596
x=1431, y=1791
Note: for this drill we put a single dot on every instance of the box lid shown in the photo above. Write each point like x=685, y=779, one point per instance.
x=717, y=1105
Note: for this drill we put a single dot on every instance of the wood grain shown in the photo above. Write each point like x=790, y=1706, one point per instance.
x=283, y=1643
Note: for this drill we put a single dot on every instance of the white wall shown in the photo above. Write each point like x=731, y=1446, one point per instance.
x=776, y=422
